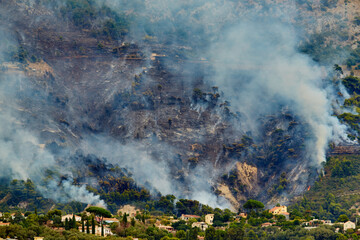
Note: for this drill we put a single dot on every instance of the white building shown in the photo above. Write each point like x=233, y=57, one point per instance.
x=70, y=217
x=110, y=220
x=349, y=225
x=209, y=219
x=107, y=231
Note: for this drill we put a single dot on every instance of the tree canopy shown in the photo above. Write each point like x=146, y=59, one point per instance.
x=253, y=205
x=98, y=211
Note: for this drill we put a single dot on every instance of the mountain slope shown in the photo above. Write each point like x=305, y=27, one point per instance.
x=167, y=98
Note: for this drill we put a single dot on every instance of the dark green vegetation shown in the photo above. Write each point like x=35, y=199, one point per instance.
x=334, y=194
x=86, y=14
x=352, y=85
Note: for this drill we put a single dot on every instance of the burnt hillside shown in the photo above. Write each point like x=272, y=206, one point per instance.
x=144, y=101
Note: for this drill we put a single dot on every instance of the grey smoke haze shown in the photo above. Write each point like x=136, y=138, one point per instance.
x=150, y=162
x=256, y=59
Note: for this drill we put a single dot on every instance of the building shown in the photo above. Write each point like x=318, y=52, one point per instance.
x=130, y=211
x=316, y=222
x=38, y=238
x=70, y=217
x=278, y=210
x=188, y=217
x=243, y=215
x=107, y=231
x=349, y=225
x=209, y=219
x=267, y=224
x=327, y=222
x=110, y=220
x=281, y=210
x=13, y=215
x=167, y=228
x=2, y=224
x=286, y=215
x=201, y=225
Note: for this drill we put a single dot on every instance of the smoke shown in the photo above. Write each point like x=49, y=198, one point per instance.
x=23, y=155
x=66, y=192
x=259, y=68
x=150, y=163
x=254, y=51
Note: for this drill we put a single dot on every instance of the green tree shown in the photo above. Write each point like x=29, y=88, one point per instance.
x=99, y=212
x=66, y=224
x=53, y=213
x=133, y=222
x=143, y=218
x=73, y=223
x=235, y=233
x=124, y=219
x=92, y=225
x=210, y=233
x=343, y=218
x=87, y=227
x=193, y=233
x=181, y=234
x=253, y=205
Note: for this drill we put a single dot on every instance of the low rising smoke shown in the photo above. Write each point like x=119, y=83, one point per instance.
x=150, y=164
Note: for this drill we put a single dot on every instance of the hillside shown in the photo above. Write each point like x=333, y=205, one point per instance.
x=335, y=193
x=118, y=102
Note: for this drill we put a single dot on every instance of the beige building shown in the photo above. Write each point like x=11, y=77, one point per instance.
x=201, y=225
x=129, y=210
x=209, y=219
x=349, y=225
x=278, y=210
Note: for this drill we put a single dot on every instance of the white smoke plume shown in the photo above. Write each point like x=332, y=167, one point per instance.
x=259, y=67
